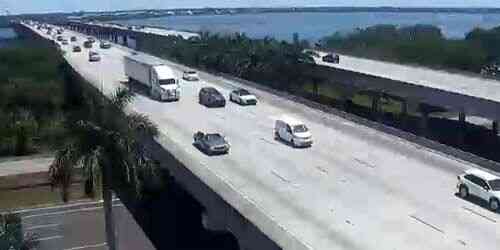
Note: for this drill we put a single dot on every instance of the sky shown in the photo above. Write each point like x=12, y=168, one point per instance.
x=43, y=6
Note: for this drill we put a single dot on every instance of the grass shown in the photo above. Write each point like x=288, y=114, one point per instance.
x=37, y=197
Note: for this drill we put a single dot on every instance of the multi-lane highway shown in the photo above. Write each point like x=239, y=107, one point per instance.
x=355, y=188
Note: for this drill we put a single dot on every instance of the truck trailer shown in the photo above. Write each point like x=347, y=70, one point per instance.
x=157, y=77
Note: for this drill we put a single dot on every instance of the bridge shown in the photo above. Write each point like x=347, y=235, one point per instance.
x=355, y=188
x=457, y=92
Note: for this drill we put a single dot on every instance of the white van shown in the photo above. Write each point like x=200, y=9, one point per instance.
x=292, y=131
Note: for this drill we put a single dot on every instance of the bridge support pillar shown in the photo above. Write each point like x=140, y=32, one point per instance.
x=494, y=127
x=424, y=123
x=404, y=113
x=375, y=107
x=462, y=127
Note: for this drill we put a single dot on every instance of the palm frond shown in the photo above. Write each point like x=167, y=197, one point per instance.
x=142, y=124
x=122, y=97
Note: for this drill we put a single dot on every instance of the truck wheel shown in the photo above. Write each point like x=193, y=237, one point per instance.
x=463, y=191
x=494, y=204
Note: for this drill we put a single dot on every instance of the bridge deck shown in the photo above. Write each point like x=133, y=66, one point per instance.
x=452, y=82
x=355, y=188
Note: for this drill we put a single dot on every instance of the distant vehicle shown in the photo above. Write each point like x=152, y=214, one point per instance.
x=87, y=44
x=73, y=38
x=60, y=31
x=77, y=49
x=65, y=42
x=59, y=38
x=292, y=131
x=190, y=75
x=91, y=39
x=105, y=45
x=482, y=185
x=331, y=58
x=152, y=73
x=211, y=97
x=211, y=143
x=242, y=97
x=94, y=56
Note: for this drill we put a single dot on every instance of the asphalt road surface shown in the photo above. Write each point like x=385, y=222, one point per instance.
x=355, y=188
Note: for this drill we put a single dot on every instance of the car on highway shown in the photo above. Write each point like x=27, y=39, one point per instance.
x=94, y=56
x=87, y=44
x=65, y=42
x=91, y=39
x=242, y=97
x=59, y=38
x=211, y=143
x=292, y=131
x=190, y=75
x=77, y=48
x=480, y=184
x=331, y=58
x=211, y=97
x=105, y=45
x=73, y=38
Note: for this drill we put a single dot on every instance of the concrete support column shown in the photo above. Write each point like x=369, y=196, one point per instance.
x=494, y=127
x=462, y=127
x=404, y=114
x=376, y=107
x=424, y=123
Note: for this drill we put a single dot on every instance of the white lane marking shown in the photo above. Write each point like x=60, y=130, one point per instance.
x=280, y=177
x=364, y=163
x=427, y=223
x=62, y=212
x=56, y=207
x=87, y=246
x=41, y=226
x=49, y=238
x=479, y=214
x=322, y=169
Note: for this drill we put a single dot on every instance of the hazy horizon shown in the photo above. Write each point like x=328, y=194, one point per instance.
x=49, y=6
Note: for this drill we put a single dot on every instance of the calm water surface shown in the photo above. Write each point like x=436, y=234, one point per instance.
x=314, y=26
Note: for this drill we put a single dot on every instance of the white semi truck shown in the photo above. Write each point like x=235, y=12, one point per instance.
x=159, y=78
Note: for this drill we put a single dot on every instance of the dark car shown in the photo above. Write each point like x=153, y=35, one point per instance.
x=331, y=58
x=87, y=44
x=59, y=38
x=91, y=39
x=77, y=49
x=210, y=97
x=73, y=38
x=211, y=143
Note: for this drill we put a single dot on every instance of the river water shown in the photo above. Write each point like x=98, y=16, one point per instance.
x=313, y=26
x=6, y=36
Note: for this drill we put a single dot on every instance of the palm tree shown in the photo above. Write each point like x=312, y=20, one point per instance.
x=106, y=146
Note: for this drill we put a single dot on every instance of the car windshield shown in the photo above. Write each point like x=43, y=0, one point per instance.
x=167, y=81
x=191, y=72
x=214, y=138
x=495, y=185
x=300, y=129
x=244, y=92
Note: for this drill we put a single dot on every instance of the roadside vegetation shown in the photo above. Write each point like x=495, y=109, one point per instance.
x=421, y=44
x=31, y=100
x=12, y=235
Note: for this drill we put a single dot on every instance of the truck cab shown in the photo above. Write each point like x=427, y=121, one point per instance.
x=165, y=86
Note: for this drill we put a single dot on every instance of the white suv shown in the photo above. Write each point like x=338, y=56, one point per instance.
x=481, y=184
